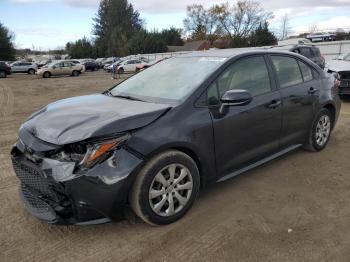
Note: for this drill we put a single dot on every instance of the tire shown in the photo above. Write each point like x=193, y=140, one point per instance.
x=31, y=71
x=121, y=71
x=3, y=74
x=166, y=191
x=75, y=73
x=320, y=132
x=46, y=74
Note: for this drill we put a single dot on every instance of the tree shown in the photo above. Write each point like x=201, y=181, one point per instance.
x=241, y=18
x=285, y=28
x=313, y=29
x=262, y=36
x=200, y=23
x=7, y=51
x=147, y=43
x=81, y=48
x=116, y=23
x=172, y=36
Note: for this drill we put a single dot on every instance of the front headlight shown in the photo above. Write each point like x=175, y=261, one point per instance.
x=87, y=155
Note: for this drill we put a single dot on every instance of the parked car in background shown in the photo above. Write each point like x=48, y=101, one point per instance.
x=341, y=66
x=109, y=61
x=129, y=65
x=42, y=63
x=152, y=141
x=91, y=65
x=100, y=61
x=77, y=63
x=321, y=37
x=5, y=70
x=24, y=67
x=148, y=64
x=59, y=69
x=310, y=51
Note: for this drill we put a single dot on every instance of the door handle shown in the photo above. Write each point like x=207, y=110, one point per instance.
x=312, y=90
x=274, y=104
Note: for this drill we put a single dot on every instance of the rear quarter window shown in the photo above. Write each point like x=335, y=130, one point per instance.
x=287, y=70
x=306, y=71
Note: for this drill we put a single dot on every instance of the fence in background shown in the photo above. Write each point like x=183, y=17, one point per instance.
x=332, y=50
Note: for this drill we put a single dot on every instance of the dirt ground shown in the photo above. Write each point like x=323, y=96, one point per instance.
x=296, y=208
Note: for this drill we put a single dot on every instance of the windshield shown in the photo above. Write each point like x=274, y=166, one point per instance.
x=172, y=80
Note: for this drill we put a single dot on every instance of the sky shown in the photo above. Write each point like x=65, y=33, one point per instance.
x=50, y=24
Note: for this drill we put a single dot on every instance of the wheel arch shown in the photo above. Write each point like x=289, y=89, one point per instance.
x=188, y=150
x=332, y=109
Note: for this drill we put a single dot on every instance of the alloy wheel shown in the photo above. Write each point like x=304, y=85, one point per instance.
x=323, y=130
x=170, y=190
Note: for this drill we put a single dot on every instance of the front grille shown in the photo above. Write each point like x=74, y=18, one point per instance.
x=35, y=181
x=33, y=201
x=37, y=207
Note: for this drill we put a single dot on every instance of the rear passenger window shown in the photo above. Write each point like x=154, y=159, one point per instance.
x=306, y=71
x=287, y=70
x=249, y=74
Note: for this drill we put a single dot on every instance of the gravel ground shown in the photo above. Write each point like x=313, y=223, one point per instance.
x=295, y=208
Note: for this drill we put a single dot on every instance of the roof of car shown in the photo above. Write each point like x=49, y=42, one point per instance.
x=229, y=53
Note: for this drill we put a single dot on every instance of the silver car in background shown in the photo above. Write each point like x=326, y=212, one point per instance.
x=24, y=67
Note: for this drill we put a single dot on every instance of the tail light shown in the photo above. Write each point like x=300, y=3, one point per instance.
x=337, y=83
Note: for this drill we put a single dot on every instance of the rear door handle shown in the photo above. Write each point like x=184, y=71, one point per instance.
x=312, y=90
x=274, y=104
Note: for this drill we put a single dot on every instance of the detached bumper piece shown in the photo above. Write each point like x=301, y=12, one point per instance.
x=42, y=197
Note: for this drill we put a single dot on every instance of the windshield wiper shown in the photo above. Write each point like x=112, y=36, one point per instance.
x=129, y=97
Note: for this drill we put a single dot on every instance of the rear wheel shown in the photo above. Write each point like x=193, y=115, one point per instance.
x=3, y=74
x=75, y=73
x=320, y=132
x=31, y=71
x=46, y=75
x=166, y=188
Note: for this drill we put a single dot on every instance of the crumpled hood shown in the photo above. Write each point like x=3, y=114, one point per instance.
x=79, y=118
x=338, y=65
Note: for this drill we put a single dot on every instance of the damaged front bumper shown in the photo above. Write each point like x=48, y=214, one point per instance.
x=97, y=195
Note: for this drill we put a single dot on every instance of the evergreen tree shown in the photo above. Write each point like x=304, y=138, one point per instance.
x=148, y=42
x=7, y=51
x=115, y=24
x=81, y=48
x=172, y=36
x=262, y=36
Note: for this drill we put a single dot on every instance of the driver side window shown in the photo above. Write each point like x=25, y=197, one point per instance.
x=249, y=74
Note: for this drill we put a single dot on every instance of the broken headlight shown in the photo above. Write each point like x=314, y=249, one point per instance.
x=87, y=155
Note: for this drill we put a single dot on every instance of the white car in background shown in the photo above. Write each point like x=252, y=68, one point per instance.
x=341, y=66
x=130, y=65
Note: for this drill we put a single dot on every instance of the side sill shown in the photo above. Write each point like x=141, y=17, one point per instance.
x=259, y=163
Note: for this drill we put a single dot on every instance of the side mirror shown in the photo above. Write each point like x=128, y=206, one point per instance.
x=235, y=98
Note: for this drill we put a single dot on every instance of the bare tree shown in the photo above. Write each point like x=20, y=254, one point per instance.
x=200, y=23
x=313, y=29
x=240, y=19
x=285, y=28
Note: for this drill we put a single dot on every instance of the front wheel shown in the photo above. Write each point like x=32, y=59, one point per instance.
x=3, y=74
x=320, y=132
x=166, y=188
x=31, y=71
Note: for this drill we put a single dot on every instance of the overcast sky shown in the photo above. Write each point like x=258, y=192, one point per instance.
x=49, y=24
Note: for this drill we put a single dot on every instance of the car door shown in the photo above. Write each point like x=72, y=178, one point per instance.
x=247, y=133
x=129, y=66
x=299, y=91
x=16, y=68
x=58, y=69
x=67, y=68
